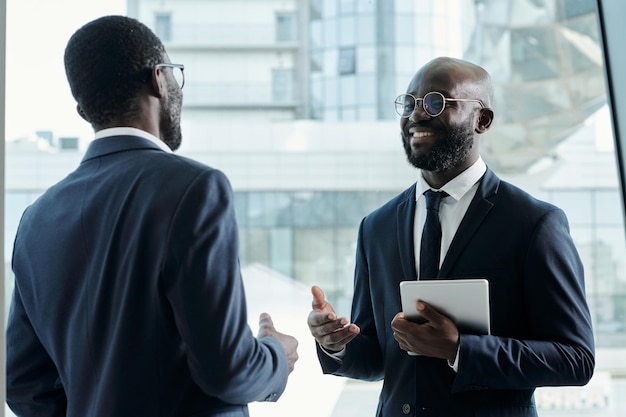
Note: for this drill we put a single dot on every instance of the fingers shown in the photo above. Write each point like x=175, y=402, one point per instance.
x=266, y=326
x=289, y=343
x=331, y=332
x=319, y=302
x=292, y=356
x=437, y=337
x=323, y=313
x=265, y=320
x=430, y=314
x=399, y=323
x=337, y=340
x=320, y=319
x=323, y=324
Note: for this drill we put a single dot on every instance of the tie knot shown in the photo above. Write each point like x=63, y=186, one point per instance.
x=433, y=199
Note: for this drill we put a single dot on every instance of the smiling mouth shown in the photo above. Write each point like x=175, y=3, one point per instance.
x=422, y=134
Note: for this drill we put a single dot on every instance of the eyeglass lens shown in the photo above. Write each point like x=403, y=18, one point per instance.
x=433, y=104
x=178, y=75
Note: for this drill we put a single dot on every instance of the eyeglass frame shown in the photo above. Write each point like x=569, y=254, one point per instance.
x=416, y=99
x=179, y=66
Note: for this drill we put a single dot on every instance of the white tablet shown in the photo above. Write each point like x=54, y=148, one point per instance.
x=464, y=301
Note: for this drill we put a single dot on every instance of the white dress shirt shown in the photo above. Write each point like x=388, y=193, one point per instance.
x=131, y=131
x=461, y=191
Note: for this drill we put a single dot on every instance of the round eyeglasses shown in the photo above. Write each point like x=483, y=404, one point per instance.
x=433, y=103
x=178, y=70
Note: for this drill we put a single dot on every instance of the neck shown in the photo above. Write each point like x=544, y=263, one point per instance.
x=437, y=179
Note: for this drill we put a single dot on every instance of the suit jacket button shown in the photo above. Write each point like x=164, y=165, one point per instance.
x=406, y=408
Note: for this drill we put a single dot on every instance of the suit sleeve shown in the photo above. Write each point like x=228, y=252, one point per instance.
x=204, y=287
x=560, y=349
x=33, y=385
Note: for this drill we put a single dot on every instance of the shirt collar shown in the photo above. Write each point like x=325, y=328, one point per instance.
x=459, y=185
x=131, y=131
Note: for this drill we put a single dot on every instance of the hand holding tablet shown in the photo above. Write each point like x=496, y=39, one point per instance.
x=464, y=301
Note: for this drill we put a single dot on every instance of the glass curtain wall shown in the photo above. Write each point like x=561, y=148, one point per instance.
x=552, y=137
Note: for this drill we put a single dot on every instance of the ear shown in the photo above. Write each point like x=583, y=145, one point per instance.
x=81, y=113
x=484, y=120
x=158, y=82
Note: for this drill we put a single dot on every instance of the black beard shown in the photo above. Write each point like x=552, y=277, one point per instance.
x=170, y=118
x=445, y=154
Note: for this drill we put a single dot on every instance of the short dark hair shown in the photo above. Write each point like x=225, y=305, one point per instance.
x=107, y=62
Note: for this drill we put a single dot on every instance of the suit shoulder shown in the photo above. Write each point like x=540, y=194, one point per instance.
x=187, y=167
x=184, y=162
x=510, y=196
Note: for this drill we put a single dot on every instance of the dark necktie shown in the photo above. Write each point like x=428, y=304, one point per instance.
x=431, y=236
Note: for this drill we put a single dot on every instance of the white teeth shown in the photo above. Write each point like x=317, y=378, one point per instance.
x=422, y=134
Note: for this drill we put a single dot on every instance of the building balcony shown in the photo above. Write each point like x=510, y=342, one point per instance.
x=239, y=96
x=230, y=36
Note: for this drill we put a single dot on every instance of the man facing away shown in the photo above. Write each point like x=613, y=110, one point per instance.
x=541, y=332
x=128, y=297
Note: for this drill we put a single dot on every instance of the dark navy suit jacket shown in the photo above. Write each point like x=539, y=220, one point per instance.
x=540, y=322
x=128, y=298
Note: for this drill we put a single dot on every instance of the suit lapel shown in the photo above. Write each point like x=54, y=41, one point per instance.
x=476, y=213
x=405, y=219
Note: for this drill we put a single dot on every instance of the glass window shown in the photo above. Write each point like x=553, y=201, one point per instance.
x=573, y=8
x=607, y=208
x=403, y=7
x=330, y=8
x=315, y=10
x=348, y=114
x=366, y=30
x=366, y=90
x=347, y=61
x=405, y=58
x=281, y=250
x=330, y=33
x=347, y=31
x=314, y=255
x=316, y=35
x=313, y=209
x=269, y=209
x=282, y=80
x=367, y=113
x=366, y=6
x=366, y=59
x=348, y=91
x=331, y=114
x=163, y=26
x=608, y=291
x=577, y=205
x=533, y=55
x=347, y=6
x=286, y=30
x=317, y=61
x=406, y=31
x=254, y=245
x=331, y=93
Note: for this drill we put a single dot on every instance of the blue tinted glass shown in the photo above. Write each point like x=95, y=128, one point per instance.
x=433, y=103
